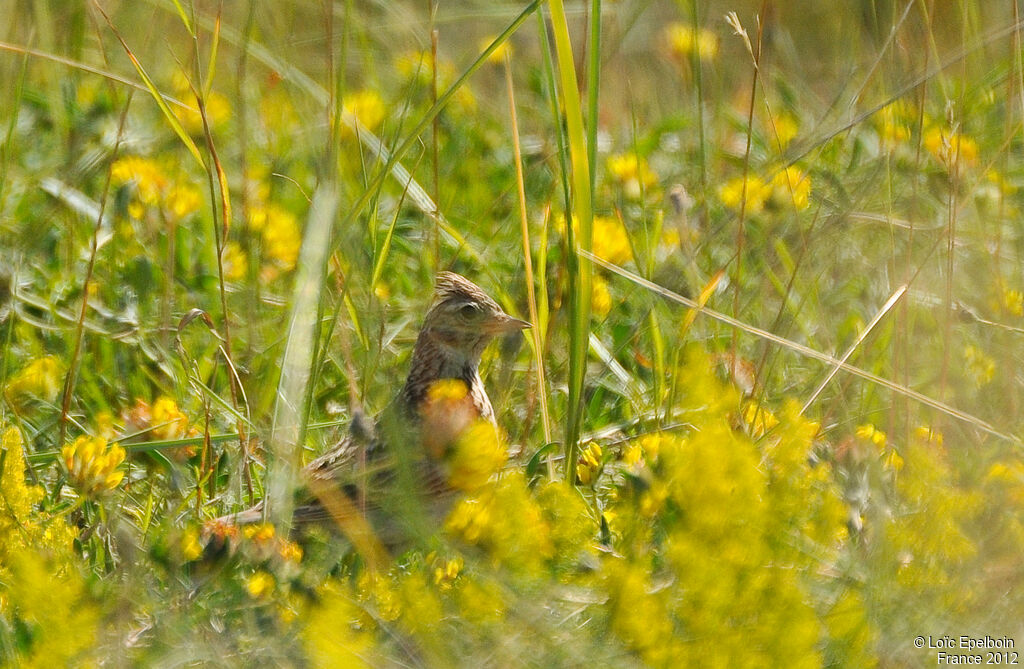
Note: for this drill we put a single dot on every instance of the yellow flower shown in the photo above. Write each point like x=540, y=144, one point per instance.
x=980, y=366
x=791, y=186
x=653, y=499
x=331, y=631
x=218, y=109
x=464, y=100
x=182, y=200
x=651, y=443
x=445, y=572
x=290, y=552
x=191, y=547
x=1013, y=302
x=893, y=460
x=39, y=378
x=478, y=455
x=869, y=432
x=154, y=188
x=760, y=419
x=685, y=40
x=379, y=589
x=259, y=532
x=600, y=298
x=148, y=177
x=632, y=454
x=105, y=425
x=893, y=124
x=282, y=238
x=950, y=148
x=927, y=435
x=469, y=520
x=589, y=464
x=234, y=262
x=415, y=63
x=365, y=108
x=259, y=584
x=757, y=194
x=1002, y=183
x=497, y=57
x=784, y=129
x=611, y=241
x=632, y=173
x=167, y=419
x=92, y=466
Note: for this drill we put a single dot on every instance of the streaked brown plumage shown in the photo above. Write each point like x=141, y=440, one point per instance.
x=460, y=323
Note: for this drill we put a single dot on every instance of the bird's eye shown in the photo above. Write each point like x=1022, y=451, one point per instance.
x=469, y=311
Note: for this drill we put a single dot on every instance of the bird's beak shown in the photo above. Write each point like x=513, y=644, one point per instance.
x=506, y=323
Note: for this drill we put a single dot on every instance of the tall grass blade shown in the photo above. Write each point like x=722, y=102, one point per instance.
x=290, y=416
x=158, y=97
x=579, y=268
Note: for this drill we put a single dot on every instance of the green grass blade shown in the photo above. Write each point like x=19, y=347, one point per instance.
x=581, y=270
x=290, y=411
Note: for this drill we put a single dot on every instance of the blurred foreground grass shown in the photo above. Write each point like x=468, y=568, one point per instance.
x=819, y=467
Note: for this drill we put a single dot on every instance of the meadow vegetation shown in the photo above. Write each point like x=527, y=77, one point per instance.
x=768, y=414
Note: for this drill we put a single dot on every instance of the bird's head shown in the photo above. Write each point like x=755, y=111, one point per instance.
x=463, y=318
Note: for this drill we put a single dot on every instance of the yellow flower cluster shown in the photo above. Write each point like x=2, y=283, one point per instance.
x=446, y=571
x=980, y=366
x=792, y=187
x=217, y=106
x=234, y=262
x=168, y=420
x=784, y=128
x=365, y=108
x=789, y=188
x=479, y=454
x=506, y=520
x=280, y=233
x=644, y=449
x=161, y=420
x=40, y=379
x=155, y=189
x=419, y=65
x=260, y=584
x=146, y=175
x=589, y=464
x=760, y=419
x=600, y=297
x=930, y=538
x=611, y=241
x=757, y=193
x=926, y=435
x=869, y=432
x=41, y=589
x=335, y=634
x=497, y=57
x=685, y=40
x=1013, y=302
x=92, y=465
x=893, y=125
x=632, y=174
x=950, y=148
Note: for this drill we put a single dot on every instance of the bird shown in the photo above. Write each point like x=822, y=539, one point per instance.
x=411, y=437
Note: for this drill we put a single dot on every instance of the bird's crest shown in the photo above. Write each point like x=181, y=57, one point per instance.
x=450, y=284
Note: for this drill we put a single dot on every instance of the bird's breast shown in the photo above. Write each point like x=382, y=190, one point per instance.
x=448, y=409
